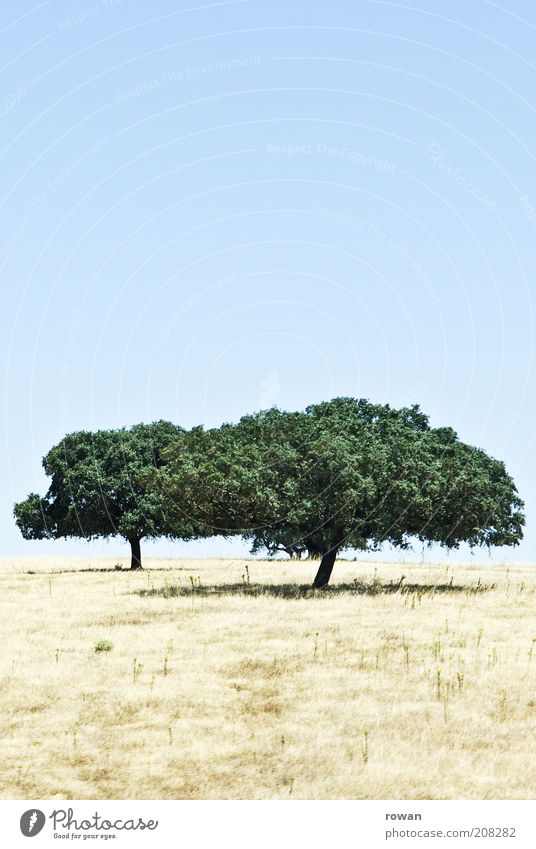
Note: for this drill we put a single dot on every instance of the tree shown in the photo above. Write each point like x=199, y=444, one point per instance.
x=223, y=479
x=344, y=474
x=477, y=501
x=347, y=474
x=101, y=487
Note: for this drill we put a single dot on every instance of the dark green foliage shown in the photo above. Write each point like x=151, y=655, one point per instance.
x=343, y=474
x=31, y=518
x=475, y=500
x=99, y=487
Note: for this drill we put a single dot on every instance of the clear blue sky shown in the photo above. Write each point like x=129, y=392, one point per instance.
x=213, y=208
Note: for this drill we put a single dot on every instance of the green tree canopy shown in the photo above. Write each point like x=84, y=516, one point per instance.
x=101, y=487
x=474, y=499
x=343, y=474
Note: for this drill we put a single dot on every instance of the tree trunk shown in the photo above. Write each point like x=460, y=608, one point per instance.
x=325, y=569
x=135, y=560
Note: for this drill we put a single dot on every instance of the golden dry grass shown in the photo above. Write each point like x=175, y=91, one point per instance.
x=221, y=685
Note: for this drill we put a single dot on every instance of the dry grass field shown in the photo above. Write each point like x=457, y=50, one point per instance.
x=231, y=679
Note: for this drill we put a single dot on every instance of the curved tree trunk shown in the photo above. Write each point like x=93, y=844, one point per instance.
x=135, y=560
x=325, y=569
